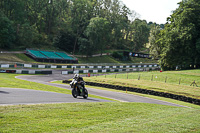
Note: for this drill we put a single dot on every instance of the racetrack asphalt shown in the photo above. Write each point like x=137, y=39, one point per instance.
x=123, y=97
x=16, y=96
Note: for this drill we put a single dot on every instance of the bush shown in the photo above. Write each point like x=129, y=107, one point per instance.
x=117, y=55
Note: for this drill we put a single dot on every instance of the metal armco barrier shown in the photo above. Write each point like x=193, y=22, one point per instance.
x=110, y=70
x=83, y=66
x=26, y=71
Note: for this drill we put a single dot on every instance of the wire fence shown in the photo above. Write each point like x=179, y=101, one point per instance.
x=158, y=77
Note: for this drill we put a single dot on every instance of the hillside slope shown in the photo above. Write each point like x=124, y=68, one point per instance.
x=20, y=57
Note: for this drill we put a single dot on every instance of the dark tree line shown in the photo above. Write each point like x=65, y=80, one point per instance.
x=85, y=26
x=178, y=44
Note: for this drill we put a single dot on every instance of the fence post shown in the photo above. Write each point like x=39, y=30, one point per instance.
x=152, y=78
x=165, y=79
x=115, y=75
x=127, y=75
x=179, y=81
x=139, y=77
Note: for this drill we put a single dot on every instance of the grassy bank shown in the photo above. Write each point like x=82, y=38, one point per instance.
x=9, y=57
x=163, y=82
x=9, y=80
x=99, y=117
x=93, y=117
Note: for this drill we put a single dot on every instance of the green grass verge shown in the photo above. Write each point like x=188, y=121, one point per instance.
x=9, y=80
x=99, y=59
x=24, y=58
x=158, y=83
x=10, y=57
x=99, y=117
x=110, y=59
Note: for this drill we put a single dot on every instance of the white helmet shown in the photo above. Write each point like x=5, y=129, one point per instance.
x=76, y=76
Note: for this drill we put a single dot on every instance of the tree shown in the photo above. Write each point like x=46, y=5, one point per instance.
x=181, y=35
x=138, y=34
x=80, y=14
x=98, y=32
x=155, y=46
x=86, y=48
x=7, y=32
x=65, y=41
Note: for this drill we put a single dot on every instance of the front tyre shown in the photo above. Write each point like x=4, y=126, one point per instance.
x=74, y=93
x=85, y=94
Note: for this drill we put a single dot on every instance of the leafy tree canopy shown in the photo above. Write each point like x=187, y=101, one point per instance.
x=178, y=44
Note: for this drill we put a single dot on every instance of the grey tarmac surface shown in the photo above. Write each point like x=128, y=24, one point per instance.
x=16, y=96
x=123, y=97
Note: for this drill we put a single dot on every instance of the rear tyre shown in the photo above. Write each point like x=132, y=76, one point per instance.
x=74, y=93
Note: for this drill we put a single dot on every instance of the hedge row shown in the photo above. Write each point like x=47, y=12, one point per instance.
x=145, y=91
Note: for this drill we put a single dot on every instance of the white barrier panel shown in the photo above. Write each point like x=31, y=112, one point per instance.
x=27, y=65
x=64, y=66
x=77, y=71
x=134, y=69
x=95, y=71
x=99, y=66
x=73, y=66
x=120, y=70
x=103, y=71
x=140, y=69
x=150, y=65
x=127, y=70
x=139, y=66
x=120, y=66
x=107, y=66
x=133, y=66
x=114, y=66
x=85, y=71
x=5, y=65
x=41, y=66
x=127, y=66
x=91, y=66
x=112, y=70
x=18, y=71
x=64, y=72
x=145, y=65
x=53, y=66
x=31, y=71
x=82, y=66
x=155, y=65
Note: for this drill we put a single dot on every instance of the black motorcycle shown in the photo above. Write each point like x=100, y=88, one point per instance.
x=79, y=89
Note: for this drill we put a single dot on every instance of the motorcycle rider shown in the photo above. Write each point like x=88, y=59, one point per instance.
x=75, y=81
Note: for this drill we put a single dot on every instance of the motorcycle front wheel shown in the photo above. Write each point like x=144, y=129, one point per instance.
x=85, y=94
x=74, y=93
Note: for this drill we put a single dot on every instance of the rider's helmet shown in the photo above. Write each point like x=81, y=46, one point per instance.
x=76, y=76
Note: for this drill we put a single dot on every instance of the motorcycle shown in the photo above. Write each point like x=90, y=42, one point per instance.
x=78, y=89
